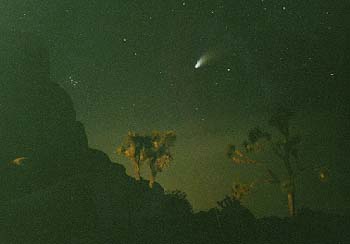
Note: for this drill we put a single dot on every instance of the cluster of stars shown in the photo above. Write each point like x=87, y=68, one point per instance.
x=72, y=82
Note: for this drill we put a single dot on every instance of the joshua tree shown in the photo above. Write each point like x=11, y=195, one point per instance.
x=134, y=147
x=153, y=149
x=239, y=190
x=159, y=155
x=284, y=146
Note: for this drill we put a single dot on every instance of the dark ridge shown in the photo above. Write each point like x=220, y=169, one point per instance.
x=55, y=189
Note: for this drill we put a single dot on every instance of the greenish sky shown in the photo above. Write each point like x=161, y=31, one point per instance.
x=130, y=65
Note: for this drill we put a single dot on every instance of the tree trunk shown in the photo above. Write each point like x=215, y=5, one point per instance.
x=151, y=181
x=137, y=170
x=291, y=203
x=152, y=177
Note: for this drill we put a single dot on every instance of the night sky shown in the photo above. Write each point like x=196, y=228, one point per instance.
x=130, y=65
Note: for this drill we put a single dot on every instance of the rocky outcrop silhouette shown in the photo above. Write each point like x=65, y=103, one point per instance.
x=38, y=122
x=53, y=187
x=37, y=116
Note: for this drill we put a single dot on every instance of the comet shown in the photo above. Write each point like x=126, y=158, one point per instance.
x=205, y=59
x=201, y=61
